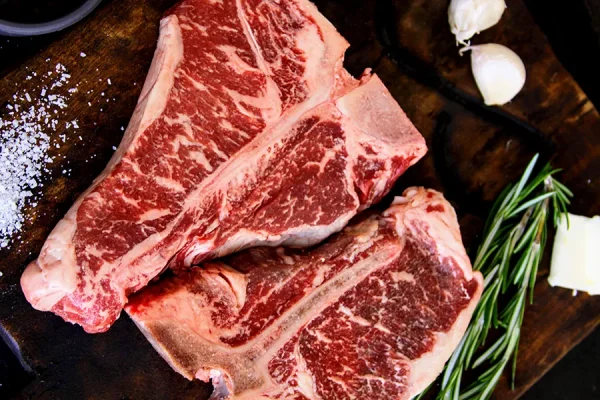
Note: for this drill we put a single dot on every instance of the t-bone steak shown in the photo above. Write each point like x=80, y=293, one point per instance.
x=248, y=132
x=374, y=313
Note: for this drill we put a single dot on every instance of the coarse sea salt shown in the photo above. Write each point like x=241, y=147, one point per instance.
x=25, y=140
x=30, y=128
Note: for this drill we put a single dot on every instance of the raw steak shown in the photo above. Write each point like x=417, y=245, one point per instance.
x=374, y=313
x=248, y=132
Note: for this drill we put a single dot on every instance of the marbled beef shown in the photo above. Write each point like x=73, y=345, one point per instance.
x=374, y=313
x=248, y=132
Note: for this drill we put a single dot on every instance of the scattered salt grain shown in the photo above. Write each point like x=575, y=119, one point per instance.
x=31, y=125
x=25, y=141
x=82, y=54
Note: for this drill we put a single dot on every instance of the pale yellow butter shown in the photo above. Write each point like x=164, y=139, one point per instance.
x=576, y=255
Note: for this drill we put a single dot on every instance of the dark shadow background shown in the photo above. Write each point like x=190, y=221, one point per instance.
x=573, y=29
x=575, y=377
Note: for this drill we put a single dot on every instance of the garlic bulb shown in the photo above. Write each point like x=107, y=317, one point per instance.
x=468, y=17
x=498, y=71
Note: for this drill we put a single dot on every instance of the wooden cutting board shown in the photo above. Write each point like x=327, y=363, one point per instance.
x=474, y=151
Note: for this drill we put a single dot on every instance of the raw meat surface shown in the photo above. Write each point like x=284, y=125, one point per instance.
x=374, y=313
x=248, y=132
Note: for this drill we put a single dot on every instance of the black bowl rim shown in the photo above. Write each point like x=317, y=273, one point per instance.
x=8, y=28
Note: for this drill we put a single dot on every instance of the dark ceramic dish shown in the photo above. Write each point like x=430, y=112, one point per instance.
x=9, y=28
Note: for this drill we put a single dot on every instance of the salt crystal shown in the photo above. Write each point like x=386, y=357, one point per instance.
x=27, y=134
x=82, y=54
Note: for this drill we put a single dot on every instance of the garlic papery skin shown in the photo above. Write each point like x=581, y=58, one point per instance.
x=468, y=17
x=498, y=71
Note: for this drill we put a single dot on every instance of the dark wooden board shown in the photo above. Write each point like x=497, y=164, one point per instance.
x=474, y=151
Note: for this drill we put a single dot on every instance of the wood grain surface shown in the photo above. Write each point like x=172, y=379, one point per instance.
x=474, y=151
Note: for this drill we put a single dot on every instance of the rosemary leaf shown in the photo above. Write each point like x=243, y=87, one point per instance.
x=533, y=202
x=562, y=188
x=485, y=356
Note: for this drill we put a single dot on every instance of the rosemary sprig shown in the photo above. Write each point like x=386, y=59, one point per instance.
x=513, y=244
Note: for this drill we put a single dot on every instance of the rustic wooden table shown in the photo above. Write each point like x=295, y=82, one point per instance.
x=474, y=151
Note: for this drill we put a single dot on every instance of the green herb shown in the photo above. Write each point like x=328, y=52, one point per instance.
x=513, y=243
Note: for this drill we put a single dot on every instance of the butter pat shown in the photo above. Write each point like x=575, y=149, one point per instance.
x=576, y=255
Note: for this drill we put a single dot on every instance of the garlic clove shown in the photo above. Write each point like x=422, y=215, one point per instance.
x=498, y=71
x=469, y=17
